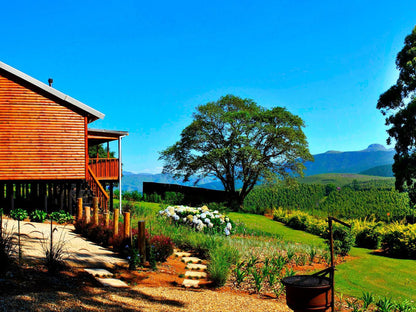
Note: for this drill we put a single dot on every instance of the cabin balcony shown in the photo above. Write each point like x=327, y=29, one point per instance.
x=105, y=169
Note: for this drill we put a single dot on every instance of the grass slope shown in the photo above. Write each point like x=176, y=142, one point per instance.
x=258, y=222
x=367, y=272
x=341, y=179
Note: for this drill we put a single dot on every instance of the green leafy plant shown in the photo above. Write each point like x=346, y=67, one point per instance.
x=312, y=251
x=353, y=304
x=18, y=214
x=152, y=257
x=405, y=306
x=385, y=305
x=221, y=259
x=258, y=278
x=343, y=240
x=133, y=258
x=61, y=216
x=38, y=216
x=367, y=299
x=240, y=273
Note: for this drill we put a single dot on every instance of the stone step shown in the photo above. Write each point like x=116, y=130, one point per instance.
x=195, y=274
x=191, y=260
x=112, y=282
x=99, y=272
x=196, y=267
x=181, y=254
x=190, y=283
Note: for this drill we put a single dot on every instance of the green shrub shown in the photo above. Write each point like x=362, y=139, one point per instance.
x=173, y=198
x=297, y=222
x=132, y=196
x=38, y=216
x=152, y=198
x=368, y=237
x=61, y=216
x=221, y=260
x=162, y=246
x=343, y=239
x=18, y=214
x=399, y=240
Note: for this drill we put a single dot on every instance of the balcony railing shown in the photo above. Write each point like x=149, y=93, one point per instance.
x=104, y=168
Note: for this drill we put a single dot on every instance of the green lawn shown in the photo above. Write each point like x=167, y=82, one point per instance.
x=367, y=272
x=258, y=222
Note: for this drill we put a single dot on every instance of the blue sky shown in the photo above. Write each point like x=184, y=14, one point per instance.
x=147, y=65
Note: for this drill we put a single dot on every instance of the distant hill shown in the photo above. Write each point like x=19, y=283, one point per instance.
x=381, y=171
x=350, y=162
x=375, y=160
x=134, y=181
x=341, y=179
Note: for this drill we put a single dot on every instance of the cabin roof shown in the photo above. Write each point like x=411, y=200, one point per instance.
x=98, y=136
x=71, y=102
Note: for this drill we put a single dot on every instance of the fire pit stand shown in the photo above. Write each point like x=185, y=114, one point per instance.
x=314, y=292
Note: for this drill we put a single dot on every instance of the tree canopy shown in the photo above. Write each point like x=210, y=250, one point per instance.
x=102, y=152
x=234, y=139
x=398, y=104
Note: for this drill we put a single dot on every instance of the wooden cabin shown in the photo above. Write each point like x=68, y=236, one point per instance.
x=44, y=143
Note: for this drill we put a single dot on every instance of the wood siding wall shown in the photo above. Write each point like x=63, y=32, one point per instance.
x=39, y=139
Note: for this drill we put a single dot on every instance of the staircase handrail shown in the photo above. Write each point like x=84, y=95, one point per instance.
x=99, y=188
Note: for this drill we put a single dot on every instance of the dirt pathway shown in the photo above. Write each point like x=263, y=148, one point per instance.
x=78, y=251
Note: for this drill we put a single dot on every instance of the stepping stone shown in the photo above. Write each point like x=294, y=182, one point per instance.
x=195, y=274
x=191, y=259
x=99, y=272
x=182, y=254
x=112, y=282
x=195, y=266
x=190, y=283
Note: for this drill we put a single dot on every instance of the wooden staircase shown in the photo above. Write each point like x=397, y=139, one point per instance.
x=98, y=190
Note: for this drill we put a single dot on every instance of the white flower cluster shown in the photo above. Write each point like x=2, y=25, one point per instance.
x=199, y=218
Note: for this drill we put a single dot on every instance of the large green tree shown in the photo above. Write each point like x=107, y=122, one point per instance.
x=398, y=104
x=234, y=139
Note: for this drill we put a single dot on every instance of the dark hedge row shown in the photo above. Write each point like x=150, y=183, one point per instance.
x=351, y=201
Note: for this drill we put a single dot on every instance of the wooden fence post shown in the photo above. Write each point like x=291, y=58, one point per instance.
x=95, y=209
x=126, y=224
x=106, y=219
x=141, y=240
x=116, y=217
x=87, y=214
x=79, y=211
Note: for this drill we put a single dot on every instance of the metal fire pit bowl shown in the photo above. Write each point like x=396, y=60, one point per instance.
x=308, y=293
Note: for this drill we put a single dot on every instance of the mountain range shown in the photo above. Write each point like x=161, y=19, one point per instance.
x=375, y=160
x=367, y=160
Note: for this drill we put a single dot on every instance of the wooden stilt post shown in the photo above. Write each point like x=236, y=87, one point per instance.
x=111, y=196
x=126, y=224
x=87, y=214
x=79, y=210
x=95, y=209
x=115, y=224
x=141, y=240
x=106, y=219
x=70, y=193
